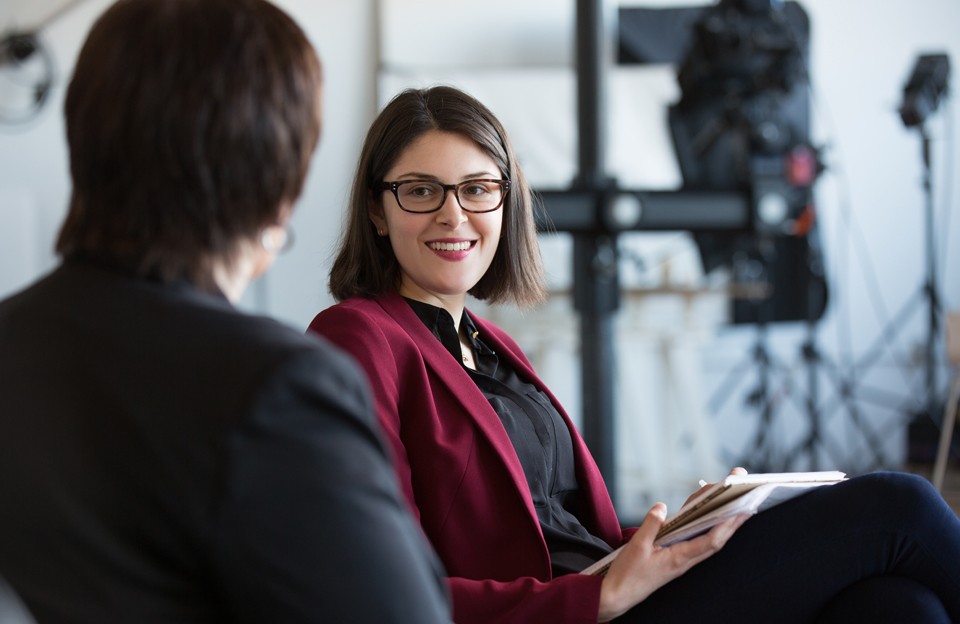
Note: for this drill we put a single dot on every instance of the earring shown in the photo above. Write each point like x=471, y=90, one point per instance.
x=381, y=232
x=277, y=239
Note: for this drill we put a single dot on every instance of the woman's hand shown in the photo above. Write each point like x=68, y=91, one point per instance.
x=642, y=568
x=736, y=471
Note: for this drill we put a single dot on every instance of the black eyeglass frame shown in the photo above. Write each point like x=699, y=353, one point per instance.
x=393, y=186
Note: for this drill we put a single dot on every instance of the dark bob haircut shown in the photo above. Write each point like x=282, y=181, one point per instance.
x=365, y=264
x=190, y=125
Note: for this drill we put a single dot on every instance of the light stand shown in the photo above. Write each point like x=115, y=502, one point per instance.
x=814, y=362
x=761, y=457
x=922, y=93
x=930, y=286
x=774, y=385
x=931, y=408
x=921, y=97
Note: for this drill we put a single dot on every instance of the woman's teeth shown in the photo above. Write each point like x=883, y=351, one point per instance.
x=461, y=246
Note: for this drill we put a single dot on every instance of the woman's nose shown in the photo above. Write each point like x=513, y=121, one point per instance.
x=451, y=213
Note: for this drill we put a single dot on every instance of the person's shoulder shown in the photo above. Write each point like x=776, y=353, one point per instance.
x=263, y=333
x=276, y=348
x=351, y=314
x=26, y=293
x=371, y=330
x=354, y=305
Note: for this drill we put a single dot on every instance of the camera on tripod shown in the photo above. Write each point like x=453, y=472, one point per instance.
x=742, y=124
x=741, y=48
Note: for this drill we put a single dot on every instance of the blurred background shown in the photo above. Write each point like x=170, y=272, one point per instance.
x=755, y=270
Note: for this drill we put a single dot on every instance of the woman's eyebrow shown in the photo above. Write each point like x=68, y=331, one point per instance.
x=418, y=175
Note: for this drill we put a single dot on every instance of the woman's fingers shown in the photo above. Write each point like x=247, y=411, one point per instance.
x=652, y=522
x=642, y=568
x=691, y=552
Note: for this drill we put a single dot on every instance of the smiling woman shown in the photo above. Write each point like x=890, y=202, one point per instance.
x=390, y=164
x=494, y=469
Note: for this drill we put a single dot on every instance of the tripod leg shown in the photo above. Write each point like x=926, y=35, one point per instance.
x=946, y=435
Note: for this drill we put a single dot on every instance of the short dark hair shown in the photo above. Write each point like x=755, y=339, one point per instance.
x=365, y=264
x=190, y=124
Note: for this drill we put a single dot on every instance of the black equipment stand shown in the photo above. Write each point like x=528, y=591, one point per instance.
x=844, y=383
x=585, y=210
x=932, y=406
x=815, y=363
x=596, y=274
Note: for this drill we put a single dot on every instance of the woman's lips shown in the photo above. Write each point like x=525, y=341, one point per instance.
x=451, y=250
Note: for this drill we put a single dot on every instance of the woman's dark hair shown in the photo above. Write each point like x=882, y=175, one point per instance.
x=365, y=264
x=190, y=125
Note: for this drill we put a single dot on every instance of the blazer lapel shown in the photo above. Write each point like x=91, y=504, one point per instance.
x=604, y=518
x=475, y=404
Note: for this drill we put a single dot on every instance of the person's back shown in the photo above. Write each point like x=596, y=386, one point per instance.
x=164, y=457
x=149, y=442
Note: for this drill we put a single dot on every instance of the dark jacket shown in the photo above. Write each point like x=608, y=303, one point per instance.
x=166, y=458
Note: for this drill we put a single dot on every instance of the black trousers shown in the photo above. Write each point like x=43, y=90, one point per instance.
x=882, y=547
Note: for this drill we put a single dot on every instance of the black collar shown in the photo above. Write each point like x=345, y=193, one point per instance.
x=440, y=323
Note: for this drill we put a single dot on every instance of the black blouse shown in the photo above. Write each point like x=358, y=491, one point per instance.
x=540, y=438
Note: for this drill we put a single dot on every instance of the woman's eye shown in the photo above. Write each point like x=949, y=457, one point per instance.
x=475, y=189
x=421, y=191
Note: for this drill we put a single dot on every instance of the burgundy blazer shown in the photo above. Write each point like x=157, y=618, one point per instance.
x=459, y=470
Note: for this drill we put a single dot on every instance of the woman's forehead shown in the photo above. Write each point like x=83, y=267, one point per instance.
x=444, y=155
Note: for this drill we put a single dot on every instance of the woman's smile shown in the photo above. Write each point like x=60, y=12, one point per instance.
x=451, y=249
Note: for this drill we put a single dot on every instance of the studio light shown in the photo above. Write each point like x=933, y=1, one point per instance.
x=926, y=86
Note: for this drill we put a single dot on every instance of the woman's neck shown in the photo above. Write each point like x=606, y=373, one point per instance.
x=453, y=304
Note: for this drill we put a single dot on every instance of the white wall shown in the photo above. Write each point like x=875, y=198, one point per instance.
x=34, y=177
x=870, y=200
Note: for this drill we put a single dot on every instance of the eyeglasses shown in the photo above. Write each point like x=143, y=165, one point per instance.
x=428, y=196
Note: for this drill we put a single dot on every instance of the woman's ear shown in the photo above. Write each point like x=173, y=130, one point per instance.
x=375, y=212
